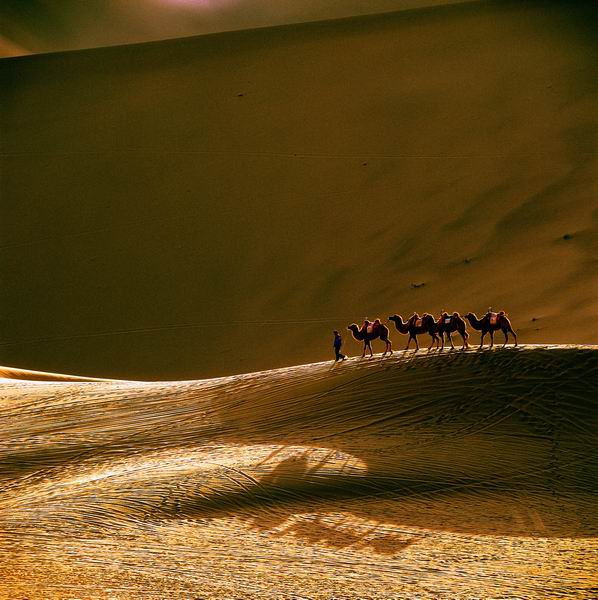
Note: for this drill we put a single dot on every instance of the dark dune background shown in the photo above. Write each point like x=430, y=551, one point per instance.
x=32, y=26
x=218, y=204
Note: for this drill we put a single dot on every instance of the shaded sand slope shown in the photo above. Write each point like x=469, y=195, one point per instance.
x=218, y=204
x=27, y=375
x=438, y=475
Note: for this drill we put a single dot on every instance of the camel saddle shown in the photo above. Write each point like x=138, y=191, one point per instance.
x=493, y=318
x=418, y=322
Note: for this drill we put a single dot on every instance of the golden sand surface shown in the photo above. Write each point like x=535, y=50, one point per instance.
x=218, y=204
x=183, y=220
x=420, y=475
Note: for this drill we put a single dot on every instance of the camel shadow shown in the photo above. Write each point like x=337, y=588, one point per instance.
x=486, y=443
x=289, y=502
x=313, y=529
x=296, y=499
x=470, y=442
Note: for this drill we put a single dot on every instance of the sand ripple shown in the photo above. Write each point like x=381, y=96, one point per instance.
x=436, y=475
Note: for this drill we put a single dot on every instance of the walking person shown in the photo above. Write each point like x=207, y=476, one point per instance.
x=338, y=342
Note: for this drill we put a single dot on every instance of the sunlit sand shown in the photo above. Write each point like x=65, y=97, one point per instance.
x=184, y=224
x=428, y=474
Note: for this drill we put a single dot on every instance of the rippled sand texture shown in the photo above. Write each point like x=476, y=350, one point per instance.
x=428, y=475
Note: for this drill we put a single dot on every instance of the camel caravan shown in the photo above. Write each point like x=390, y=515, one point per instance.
x=437, y=329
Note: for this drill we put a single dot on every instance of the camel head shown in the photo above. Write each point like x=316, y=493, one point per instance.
x=396, y=318
x=353, y=327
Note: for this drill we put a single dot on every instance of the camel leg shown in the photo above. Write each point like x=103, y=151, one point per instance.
x=387, y=347
x=506, y=337
x=432, y=342
x=416, y=343
x=408, y=342
x=370, y=347
x=365, y=345
x=514, y=335
x=442, y=339
x=448, y=334
x=482, y=339
x=465, y=335
x=491, y=339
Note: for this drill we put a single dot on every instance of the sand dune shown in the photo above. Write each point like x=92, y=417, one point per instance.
x=129, y=21
x=216, y=205
x=432, y=475
x=190, y=217
x=28, y=375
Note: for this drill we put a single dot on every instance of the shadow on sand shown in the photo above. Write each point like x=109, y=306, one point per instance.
x=491, y=443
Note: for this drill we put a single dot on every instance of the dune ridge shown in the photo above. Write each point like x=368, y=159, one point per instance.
x=29, y=375
x=372, y=457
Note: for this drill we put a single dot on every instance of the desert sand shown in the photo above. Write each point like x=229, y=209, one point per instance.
x=422, y=475
x=183, y=225
x=217, y=205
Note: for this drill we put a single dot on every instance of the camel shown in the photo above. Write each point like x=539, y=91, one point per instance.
x=416, y=325
x=490, y=323
x=448, y=324
x=369, y=332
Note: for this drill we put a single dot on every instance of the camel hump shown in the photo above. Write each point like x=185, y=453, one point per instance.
x=456, y=314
